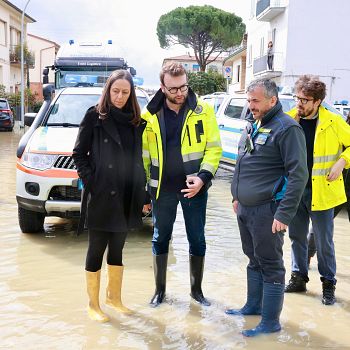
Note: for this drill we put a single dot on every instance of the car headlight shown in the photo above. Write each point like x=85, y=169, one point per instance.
x=38, y=161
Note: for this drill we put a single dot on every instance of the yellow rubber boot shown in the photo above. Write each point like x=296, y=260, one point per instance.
x=93, y=290
x=113, y=295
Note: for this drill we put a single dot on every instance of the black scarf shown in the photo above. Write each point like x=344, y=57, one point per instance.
x=120, y=116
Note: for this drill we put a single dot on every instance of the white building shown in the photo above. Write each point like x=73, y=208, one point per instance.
x=10, y=37
x=45, y=53
x=310, y=37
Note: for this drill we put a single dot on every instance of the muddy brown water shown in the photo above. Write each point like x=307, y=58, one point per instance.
x=43, y=298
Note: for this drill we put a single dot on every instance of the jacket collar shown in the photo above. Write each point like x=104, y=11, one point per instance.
x=271, y=113
x=157, y=101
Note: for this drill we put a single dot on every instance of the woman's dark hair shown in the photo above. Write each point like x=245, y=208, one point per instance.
x=105, y=103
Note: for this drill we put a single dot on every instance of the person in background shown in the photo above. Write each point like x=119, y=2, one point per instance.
x=182, y=150
x=108, y=157
x=268, y=182
x=346, y=176
x=270, y=55
x=328, y=153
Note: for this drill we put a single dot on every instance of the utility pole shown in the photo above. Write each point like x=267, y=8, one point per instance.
x=22, y=66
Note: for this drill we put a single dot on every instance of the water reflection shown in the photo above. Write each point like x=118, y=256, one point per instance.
x=43, y=298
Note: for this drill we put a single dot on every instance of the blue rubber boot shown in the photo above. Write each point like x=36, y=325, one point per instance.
x=271, y=309
x=254, y=295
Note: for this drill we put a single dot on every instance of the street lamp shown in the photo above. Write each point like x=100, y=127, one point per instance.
x=22, y=66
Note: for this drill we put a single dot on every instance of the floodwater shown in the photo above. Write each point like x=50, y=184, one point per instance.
x=43, y=298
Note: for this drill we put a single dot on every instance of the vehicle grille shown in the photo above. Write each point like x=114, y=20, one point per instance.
x=65, y=162
x=67, y=193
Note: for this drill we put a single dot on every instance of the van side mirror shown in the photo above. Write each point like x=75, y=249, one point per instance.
x=45, y=75
x=132, y=71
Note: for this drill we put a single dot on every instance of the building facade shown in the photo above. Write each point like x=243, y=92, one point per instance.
x=308, y=38
x=45, y=53
x=10, y=40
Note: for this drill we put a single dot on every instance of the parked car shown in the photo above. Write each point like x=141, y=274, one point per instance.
x=343, y=107
x=6, y=116
x=47, y=180
x=232, y=119
x=215, y=99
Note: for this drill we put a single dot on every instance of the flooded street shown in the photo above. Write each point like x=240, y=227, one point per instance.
x=43, y=297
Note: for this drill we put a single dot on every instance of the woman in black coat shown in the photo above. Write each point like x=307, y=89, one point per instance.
x=108, y=157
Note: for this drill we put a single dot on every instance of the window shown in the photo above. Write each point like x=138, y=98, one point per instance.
x=235, y=108
x=3, y=31
x=238, y=73
x=195, y=67
x=262, y=46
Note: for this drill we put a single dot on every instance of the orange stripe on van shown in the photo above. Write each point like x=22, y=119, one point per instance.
x=49, y=172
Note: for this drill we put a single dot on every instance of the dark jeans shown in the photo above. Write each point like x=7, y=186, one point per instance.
x=260, y=245
x=98, y=241
x=322, y=223
x=164, y=215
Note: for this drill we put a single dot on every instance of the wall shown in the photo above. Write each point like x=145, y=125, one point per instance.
x=45, y=53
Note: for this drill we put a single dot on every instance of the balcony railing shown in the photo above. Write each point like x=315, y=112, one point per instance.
x=266, y=10
x=261, y=69
x=15, y=56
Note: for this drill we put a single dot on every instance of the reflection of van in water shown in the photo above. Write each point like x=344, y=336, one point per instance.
x=231, y=118
x=46, y=175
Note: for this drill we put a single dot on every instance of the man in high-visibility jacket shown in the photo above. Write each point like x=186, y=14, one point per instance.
x=328, y=152
x=181, y=150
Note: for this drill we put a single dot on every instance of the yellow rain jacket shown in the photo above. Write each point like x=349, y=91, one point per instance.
x=332, y=141
x=200, y=140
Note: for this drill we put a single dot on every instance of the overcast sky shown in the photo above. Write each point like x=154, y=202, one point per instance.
x=131, y=24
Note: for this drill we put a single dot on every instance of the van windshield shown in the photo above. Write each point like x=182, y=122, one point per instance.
x=81, y=78
x=71, y=109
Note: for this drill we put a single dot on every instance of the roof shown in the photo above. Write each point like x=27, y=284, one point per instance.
x=19, y=10
x=41, y=38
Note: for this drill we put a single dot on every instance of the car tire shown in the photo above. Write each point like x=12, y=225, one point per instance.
x=30, y=221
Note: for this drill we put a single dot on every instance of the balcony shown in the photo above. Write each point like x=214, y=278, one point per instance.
x=260, y=69
x=266, y=10
x=15, y=56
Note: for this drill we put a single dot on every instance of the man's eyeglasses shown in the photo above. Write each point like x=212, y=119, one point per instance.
x=303, y=101
x=174, y=90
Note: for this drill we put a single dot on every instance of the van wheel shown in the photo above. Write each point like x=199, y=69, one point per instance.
x=30, y=221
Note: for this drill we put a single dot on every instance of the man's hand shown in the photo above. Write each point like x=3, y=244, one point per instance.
x=147, y=208
x=278, y=226
x=336, y=169
x=194, y=184
x=235, y=206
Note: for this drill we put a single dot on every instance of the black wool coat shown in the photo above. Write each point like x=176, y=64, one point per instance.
x=98, y=157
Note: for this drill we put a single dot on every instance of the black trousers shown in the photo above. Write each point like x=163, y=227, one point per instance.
x=98, y=242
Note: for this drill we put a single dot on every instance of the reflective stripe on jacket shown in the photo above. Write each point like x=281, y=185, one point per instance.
x=200, y=144
x=332, y=141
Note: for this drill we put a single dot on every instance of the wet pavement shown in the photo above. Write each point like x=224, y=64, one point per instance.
x=43, y=298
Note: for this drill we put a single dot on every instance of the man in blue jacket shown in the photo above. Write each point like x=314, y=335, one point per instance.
x=269, y=179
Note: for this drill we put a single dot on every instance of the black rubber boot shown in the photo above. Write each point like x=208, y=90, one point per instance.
x=328, y=288
x=297, y=283
x=196, y=276
x=160, y=263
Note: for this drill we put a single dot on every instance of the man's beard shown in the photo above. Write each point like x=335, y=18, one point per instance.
x=172, y=99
